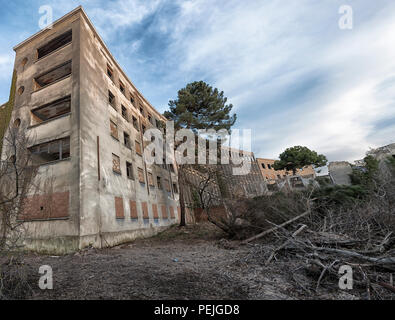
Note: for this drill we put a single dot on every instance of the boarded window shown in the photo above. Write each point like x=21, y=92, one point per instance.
x=52, y=110
x=126, y=139
x=53, y=75
x=151, y=179
x=138, y=148
x=119, y=211
x=51, y=151
x=141, y=175
x=45, y=207
x=133, y=210
x=172, y=212
x=155, y=211
x=144, y=208
x=164, y=212
x=114, y=130
x=129, y=170
x=167, y=185
x=55, y=44
x=116, y=163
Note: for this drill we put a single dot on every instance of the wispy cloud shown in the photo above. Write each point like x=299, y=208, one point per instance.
x=293, y=76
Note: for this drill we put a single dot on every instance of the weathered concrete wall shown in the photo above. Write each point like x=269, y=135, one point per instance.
x=98, y=209
x=87, y=177
x=340, y=172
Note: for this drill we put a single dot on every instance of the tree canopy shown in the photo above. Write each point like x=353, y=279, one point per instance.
x=298, y=157
x=199, y=106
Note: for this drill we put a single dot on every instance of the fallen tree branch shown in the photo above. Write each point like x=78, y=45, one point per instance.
x=264, y=233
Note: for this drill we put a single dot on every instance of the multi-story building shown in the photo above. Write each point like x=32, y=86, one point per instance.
x=271, y=176
x=87, y=119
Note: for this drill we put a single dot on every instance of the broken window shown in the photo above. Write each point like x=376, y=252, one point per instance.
x=53, y=75
x=116, y=163
x=124, y=113
x=138, y=148
x=54, y=44
x=114, y=130
x=111, y=99
x=175, y=188
x=158, y=182
x=129, y=170
x=122, y=88
x=51, y=151
x=135, y=123
x=126, y=139
x=52, y=110
x=110, y=73
x=141, y=175
x=150, y=179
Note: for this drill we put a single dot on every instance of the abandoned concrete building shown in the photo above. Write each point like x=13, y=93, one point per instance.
x=271, y=176
x=87, y=119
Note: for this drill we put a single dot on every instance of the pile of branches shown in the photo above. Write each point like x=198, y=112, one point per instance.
x=321, y=242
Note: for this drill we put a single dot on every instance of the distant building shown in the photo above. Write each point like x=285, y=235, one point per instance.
x=339, y=172
x=271, y=176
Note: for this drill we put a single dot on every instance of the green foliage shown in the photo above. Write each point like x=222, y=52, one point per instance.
x=298, y=157
x=199, y=106
x=365, y=176
x=340, y=195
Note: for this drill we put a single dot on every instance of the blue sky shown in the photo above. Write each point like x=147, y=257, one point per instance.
x=293, y=76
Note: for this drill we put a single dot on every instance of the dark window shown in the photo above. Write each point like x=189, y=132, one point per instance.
x=53, y=75
x=143, y=127
x=129, y=170
x=263, y=166
x=131, y=98
x=51, y=151
x=124, y=113
x=171, y=167
x=54, y=44
x=175, y=188
x=53, y=109
x=111, y=99
x=135, y=123
x=126, y=139
x=141, y=110
x=122, y=87
x=158, y=182
x=110, y=72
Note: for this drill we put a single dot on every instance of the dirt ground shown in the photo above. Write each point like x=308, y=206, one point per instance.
x=187, y=263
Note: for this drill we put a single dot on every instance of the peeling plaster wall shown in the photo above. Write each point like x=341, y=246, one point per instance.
x=91, y=220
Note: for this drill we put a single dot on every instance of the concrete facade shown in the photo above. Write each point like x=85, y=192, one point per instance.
x=73, y=96
x=339, y=172
x=271, y=176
